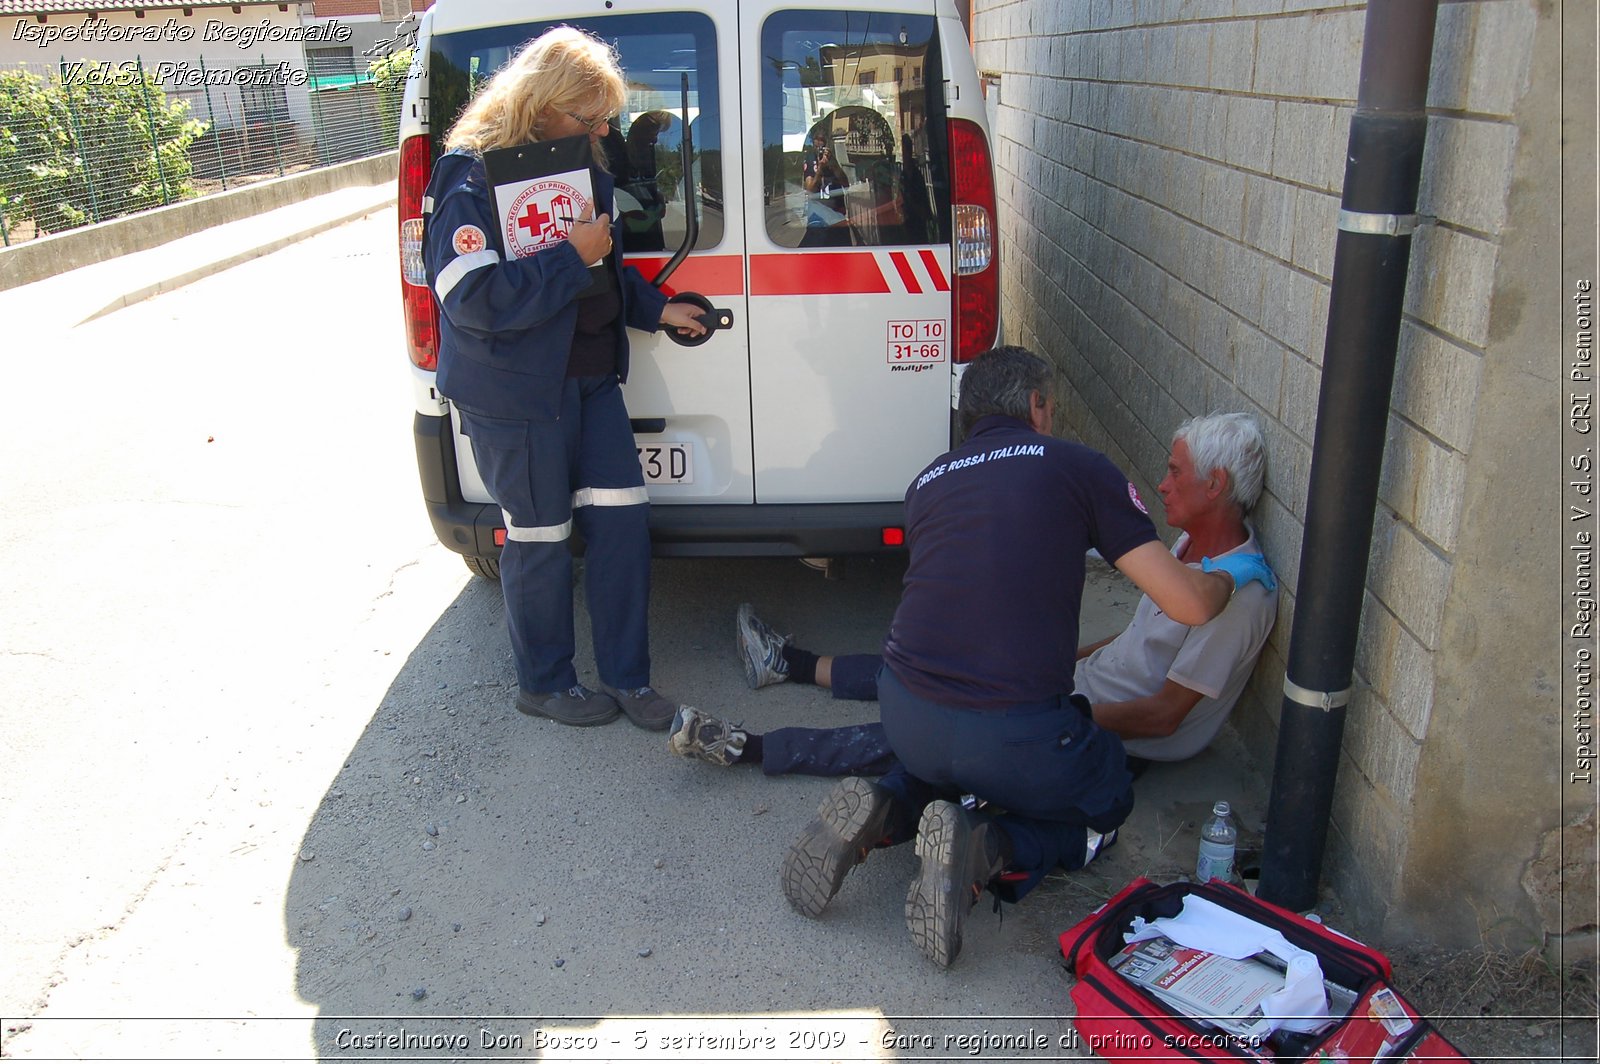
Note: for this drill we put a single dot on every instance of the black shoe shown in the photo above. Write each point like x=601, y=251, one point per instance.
x=577, y=706
x=961, y=853
x=848, y=825
x=645, y=706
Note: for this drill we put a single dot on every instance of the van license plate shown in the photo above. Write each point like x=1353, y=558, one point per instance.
x=667, y=463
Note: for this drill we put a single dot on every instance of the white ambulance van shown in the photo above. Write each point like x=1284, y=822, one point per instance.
x=853, y=306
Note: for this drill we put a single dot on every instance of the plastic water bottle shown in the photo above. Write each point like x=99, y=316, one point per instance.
x=1217, y=841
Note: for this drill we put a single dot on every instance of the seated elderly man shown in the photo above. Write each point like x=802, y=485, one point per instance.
x=1165, y=688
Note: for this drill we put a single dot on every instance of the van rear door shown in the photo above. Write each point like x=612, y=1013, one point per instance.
x=690, y=405
x=847, y=224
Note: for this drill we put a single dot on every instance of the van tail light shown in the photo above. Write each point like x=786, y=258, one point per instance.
x=422, y=317
x=977, y=287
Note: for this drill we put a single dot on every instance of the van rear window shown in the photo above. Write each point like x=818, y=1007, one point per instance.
x=643, y=146
x=853, y=129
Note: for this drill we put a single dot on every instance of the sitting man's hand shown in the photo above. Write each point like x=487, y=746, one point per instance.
x=1243, y=568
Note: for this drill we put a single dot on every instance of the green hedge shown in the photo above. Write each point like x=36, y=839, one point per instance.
x=80, y=148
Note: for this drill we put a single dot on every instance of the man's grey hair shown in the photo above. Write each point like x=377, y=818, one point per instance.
x=1002, y=380
x=1230, y=442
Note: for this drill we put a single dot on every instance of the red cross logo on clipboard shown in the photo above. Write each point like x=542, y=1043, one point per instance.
x=533, y=220
x=541, y=215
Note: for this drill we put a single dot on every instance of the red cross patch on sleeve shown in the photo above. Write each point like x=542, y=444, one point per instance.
x=468, y=239
x=1133, y=496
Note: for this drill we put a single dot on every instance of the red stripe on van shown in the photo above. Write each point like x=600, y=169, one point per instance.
x=907, y=274
x=931, y=261
x=816, y=274
x=710, y=275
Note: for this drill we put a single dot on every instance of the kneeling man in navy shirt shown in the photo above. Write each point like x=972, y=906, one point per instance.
x=976, y=693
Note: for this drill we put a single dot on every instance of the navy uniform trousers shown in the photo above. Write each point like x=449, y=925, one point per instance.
x=853, y=750
x=1048, y=767
x=547, y=476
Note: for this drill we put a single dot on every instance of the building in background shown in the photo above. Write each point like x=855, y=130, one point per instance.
x=354, y=115
x=239, y=66
x=377, y=27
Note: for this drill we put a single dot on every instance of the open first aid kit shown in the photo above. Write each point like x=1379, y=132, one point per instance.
x=1189, y=971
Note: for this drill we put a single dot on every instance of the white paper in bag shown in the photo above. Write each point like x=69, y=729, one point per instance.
x=1206, y=925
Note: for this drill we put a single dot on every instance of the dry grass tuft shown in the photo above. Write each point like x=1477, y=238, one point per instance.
x=1488, y=982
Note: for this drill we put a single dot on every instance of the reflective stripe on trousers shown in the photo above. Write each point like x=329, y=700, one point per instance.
x=610, y=496
x=536, y=533
x=582, y=497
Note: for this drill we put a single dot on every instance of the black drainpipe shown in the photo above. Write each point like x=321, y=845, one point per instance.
x=1378, y=214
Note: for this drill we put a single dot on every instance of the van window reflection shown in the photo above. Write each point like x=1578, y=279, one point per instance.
x=853, y=135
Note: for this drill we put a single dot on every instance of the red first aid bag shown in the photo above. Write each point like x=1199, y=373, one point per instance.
x=1120, y=1020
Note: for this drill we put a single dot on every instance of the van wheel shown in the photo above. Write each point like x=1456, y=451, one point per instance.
x=488, y=568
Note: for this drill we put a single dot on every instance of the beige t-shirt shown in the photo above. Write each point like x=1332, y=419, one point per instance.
x=1215, y=659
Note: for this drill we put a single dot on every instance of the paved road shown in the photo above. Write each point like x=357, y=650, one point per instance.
x=240, y=682
x=207, y=513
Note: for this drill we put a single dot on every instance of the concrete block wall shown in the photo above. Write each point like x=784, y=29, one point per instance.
x=1170, y=173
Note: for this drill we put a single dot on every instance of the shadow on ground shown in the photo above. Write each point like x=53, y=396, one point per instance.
x=471, y=862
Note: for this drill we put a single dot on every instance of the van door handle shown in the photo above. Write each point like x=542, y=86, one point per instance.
x=713, y=318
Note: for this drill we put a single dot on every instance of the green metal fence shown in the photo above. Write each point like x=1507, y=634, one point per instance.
x=83, y=142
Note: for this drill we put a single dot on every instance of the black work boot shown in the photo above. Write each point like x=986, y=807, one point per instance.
x=847, y=826
x=577, y=706
x=961, y=853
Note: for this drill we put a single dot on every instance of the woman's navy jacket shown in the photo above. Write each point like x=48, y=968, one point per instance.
x=506, y=324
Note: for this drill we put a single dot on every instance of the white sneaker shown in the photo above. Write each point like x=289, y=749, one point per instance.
x=761, y=650
x=705, y=738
